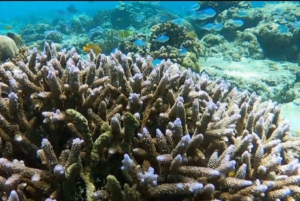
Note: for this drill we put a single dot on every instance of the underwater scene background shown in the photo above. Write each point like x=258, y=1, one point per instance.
x=149, y=101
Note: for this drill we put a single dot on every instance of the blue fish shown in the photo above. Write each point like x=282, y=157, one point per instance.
x=200, y=16
x=278, y=10
x=282, y=29
x=204, y=14
x=195, y=6
x=182, y=51
x=139, y=18
x=114, y=50
x=162, y=39
x=208, y=26
x=178, y=21
x=209, y=12
x=69, y=25
x=162, y=18
x=90, y=33
x=296, y=25
x=238, y=23
x=139, y=42
x=218, y=27
x=156, y=62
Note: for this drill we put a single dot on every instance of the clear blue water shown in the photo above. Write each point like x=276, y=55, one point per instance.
x=23, y=11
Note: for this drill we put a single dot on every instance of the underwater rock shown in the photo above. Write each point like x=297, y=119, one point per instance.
x=276, y=32
x=81, y=23
x=250, y=44
x=53, y=36
x=213, y=39
x=121, y=18
x=220, y=6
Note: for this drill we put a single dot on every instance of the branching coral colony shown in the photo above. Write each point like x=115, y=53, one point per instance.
x=114, y=128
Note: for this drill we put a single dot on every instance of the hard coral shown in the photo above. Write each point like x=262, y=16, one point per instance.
x=8, y=48
x=115, y=124
x=220, y=6
x=178, y=38
x=121, y=17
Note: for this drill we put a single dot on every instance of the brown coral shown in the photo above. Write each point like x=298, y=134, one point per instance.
x=178, y=38
x=113, y=128
x=8, y=48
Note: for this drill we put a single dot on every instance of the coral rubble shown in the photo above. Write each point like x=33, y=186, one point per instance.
x=114, y=128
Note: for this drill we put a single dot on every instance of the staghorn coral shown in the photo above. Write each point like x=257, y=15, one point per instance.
x=113, y=128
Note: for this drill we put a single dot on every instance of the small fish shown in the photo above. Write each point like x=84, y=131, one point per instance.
x=8, y=27
x=162, y=18
x=282, y=29
x=156, y=62
x=208, y=26
x=61, y=12
x=238, y=23
x=191, y=34
x=119, y=19
x=139, y=42
x=200, y=16
x=123, y=34
x=178, y=21
x=206, y=13
x=162, y=39
x=114, y=50
x=218, y=27
x=155, y=3
x=278, y=10
x=296, y=25
x=182, y=52
x=195, y=6
x=72, y=9
x=139, y=18
x=17, y=38
x=96, y=49
x=69, y=25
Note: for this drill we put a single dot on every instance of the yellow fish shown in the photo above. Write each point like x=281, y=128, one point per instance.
x=8, y=27
x=192, y=35
x=92, y=46
x=124, y=33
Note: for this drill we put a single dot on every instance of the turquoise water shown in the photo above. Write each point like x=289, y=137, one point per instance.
x=22, y=10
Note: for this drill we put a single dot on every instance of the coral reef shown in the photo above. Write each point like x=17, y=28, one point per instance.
x=223, y=5
x=53, y=36
x=244, y=45
x=178, y=38
x=121, y=17
x=114, y=128
x=81, y=23
x=8, y=48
